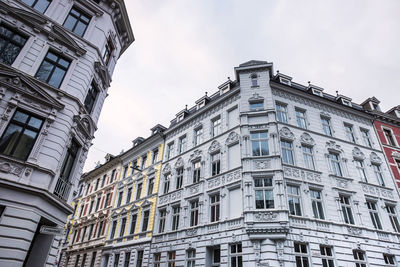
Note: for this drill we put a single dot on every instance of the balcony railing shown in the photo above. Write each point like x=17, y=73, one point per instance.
x=62, y=189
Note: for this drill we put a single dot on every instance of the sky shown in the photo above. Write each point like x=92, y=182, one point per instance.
x=186, y=48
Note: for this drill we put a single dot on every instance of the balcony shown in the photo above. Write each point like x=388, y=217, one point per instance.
x=62, y=189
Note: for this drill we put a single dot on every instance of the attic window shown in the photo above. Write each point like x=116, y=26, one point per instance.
x=346, y=102
x=397, y=112
x=201, y=104
x=316, y=92
x=285, y=81
x=376, y=107
x=254, y=80
x=179, y=117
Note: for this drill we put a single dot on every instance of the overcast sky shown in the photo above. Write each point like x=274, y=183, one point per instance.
x=186, y=48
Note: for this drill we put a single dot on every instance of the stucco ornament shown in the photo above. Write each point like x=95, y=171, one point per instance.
x=358, y=154
x=232, y=138
x=286, y=133
x=375, y=158
x=167, y=168
x=306, y=139
x=179, y=163
x=214, y=147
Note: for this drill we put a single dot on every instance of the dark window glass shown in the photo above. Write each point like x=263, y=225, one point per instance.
x=109, y=48
x=11, y=44
x=20, y=136
x=69, y=160
x=53, y=69
x=39, y=5
x=91, y=98
x=77, y=21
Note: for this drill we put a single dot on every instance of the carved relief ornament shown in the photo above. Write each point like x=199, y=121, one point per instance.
x=306, y=139
x=286, y=133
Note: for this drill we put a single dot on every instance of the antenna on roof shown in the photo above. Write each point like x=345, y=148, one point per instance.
x=185, y=106
x=309, y=82
x=206, y=93
x=277, y=71
x=337, y=92
x=229, y=78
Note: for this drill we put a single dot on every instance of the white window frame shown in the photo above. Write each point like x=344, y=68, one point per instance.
x=292, y=196
x=301, y=117
x=349, y=130
x=318, y=207
x=281, y=112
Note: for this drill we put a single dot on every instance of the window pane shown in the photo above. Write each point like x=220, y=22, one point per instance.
x=70, y=22
x=35, y=122
x=57, y=77
x=44, y=71
x=9, y=138
x=25, y=144
x=42, y=5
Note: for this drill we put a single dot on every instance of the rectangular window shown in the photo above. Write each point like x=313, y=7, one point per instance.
x=378, y=174
x=120, y=195
x=391, y=210
x=84, y=233
x=145, y=224
x=53, y=69
x=107, y=201
x=198, y=136
x=235, y=255
x=77, y=260
x=77, y=21
x=91, y=98
x=171, y=258
x=308, y=157
x=39, y=5
x=301, y=254
x=157, y=260
x=359, y=258
x=161, y=223
x=349, y=132
x=281, y=112
x=194, y=213
x=97, y=184
x=327, y=256
x=287, y=152
x=91, y=206
x=389, y=137
x=179, y=178
x=335, y=163
x=216, y=256
x=259, y=143
x=326, y=125
x=112, y=175
x=170, y=150
x=346, y=209
x=373, y=213
x=116, y=260
x=175, y=217
x=361, y=170
x=190, y=258
x=122, y=228
x=196, y=171
x=264, y=193
x=215, y=164
x=254, y=106
x=100, y=228
x=316, y=203
x=113, y=228
x=11, y=43
x=150, y=187
x=93, y=260
x=20, y=136
x=366, y=138
x=108, y=50
x=182, y=144
x=90, y=231
x=133, y=224
x=129, y=195
x=139, y=260
x=127, y=259
x=214, y=208
x=301, y=118
x=389, y=260
x=216, y=126
x=155, y=156
x=143, y=163
x=166, y=183
x=294, y=200
x=139, y=191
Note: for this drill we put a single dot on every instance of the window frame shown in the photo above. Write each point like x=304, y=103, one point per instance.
x=301, y=256
x=33, y=5
x=281, y=112
x=145, y=220
x=318, y=207
x=54, y=65
x=196, y=172
x=393, y=217
x=171, y=258
x=389, y=137
x=366, y=137
x=378, y=173
x=326, y=124
x=91, y=97
x=198, y=136
x=175, y=217
x=346, y=208
x=360, y=166
x=294, y=199
x=336, y=166
x=179, y=178
x=287, y=152
x=257, y=143
x=215, y=163
x=374, y=214
x=301, y=119
x=349, y=130
x=215, y=207
x=236, y=255
x=360, y=261
x=308, y=156
x=194, y=209
x=78, y=19
x=162, y=217
x=10, y=40
x=216, y=126
x=190, y=257
x=327, y=260
x=263, y=188
x=182, y=144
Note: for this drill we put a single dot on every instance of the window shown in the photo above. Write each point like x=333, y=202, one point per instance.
x=281, y=112
x=166, y=183
x=139, y=190
x=335, y=163
x=113, y=228
x=108, y=50
x=107, y=201
x=97, y=184
x=143, y=163
x=92, y=262
x=235, y=254
x=161, y=223
x=171, y=258
x=264, y=193
x=127, y=259
x=259, y=143
x=145, y=224
x=39, y=5
x=53, y=69
x=90, y=98
x=391, y=210
x=378, y=174
x=361, y=170
x=112, y=175
x=326, y=125
x=256, y=105
x=84, y=233
x=194, y=213
x=327, y=256
x=389, y=137
x=133, y=224
x=316, y=203
x=182, y=144
x=155, y=156
x=301, y=254
x=346, y=209
x=77, y=260
x=308, y=157
x=11, y=44
x=129, y=195
x=198, y=136
x=100, y=228
x=215, y=208
x=216, y=126
x=373, y=213
x=287, y=152
x=157, y=260
x=349, y=132
x=179, y=178
x=215, y=164
x=196, y=171
x=91, y=206
x=366, y=138
x=120, y=195
x=294, y=200
x=216, y=256
x=175, y=217
x=77, y=21
x=90, y=231
x=2, y=208
x=359, y=258
x=139, y=260
x=20, y=135
x=389, y=260
x=170, y=150
x=301, y=118
x=150, y=188
x=116, y=260
x=190, y=258
x=254, y=80
x=122, y=228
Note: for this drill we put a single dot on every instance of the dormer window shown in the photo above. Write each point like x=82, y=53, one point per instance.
x=285, y=81
x=179, y=118
x=346, y=102
x=316, y=92
x=201, y=104
x=376, y=107
x=254, y=80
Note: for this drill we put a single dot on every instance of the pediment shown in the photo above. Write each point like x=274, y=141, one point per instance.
x=286, y=133
x=102, y=71
x=179, y=163
x=214, y=147
x=27, y=87
x=85, y=126
x=146, y=203
x=23, y=14
x=151, y=171
x=61, y=35
x=167, y=169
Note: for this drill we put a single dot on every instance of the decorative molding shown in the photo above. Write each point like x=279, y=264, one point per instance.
x=214, y=147
x=291, y=172
x=196, y=155
x=103, y=73
x=396, y=154
x=194, y=189
x=232, y=139
x=358, y=154
x=151, y=170
x=256, y=98
x=262, y=164
x=342, y=183
x=11, y=168
x=286, y=133
x=223, y=179
x=354, y=230
x=306, y=139
x=265, y=216
x=179, y=163
x=377, y=191
x=167, y=169
x=375, y=158
x=170, y=197
x=331, y=145
x=191, y=232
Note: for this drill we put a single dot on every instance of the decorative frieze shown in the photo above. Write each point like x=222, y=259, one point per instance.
x=224, y=179
x=170, y=197
x=262, y=164
x=377, y=191
x=290, y=172
x=11, y=168
x=191, y=232
x=265, y=216
x=354, y=230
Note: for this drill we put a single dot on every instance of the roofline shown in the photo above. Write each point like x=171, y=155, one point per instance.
x=102, y=168
x=125, y=17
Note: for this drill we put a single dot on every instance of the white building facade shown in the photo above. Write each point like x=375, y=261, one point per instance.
x=56, y=62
